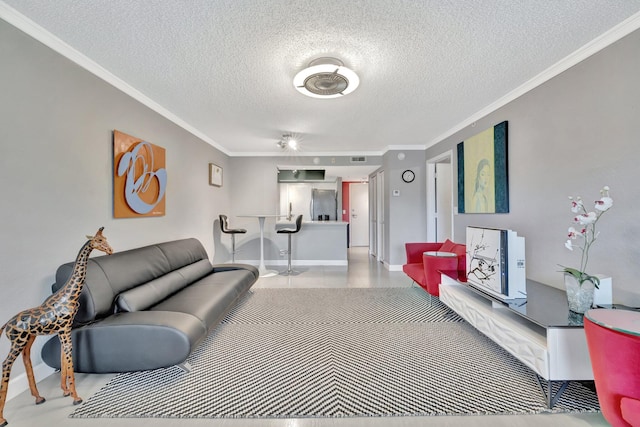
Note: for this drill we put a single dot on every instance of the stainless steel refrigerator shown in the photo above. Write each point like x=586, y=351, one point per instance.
x=324, y=205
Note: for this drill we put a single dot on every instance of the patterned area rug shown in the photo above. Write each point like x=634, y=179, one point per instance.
x=291, y=353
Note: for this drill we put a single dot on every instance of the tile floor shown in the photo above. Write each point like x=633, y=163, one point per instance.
x=363, y=271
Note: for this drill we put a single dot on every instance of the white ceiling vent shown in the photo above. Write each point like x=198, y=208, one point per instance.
x=358, y=159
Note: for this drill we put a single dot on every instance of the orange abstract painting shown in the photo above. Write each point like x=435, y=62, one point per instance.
x=139, y=177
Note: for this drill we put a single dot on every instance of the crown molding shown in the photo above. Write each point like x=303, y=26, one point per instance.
x=292, y=154
x=37, y=32
x=404, y=147
x=621, y=30
x=45, y=37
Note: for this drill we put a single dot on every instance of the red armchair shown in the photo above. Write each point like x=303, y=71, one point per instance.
x=425, y=270
x=615, y=359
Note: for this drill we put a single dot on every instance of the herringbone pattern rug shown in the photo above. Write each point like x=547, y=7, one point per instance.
x=292, y=353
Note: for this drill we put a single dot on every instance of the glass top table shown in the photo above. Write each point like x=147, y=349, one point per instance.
x=440, y=254
x=625, y=321
x=544, y=305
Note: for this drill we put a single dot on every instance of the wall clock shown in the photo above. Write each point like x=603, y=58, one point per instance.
x=408, y=176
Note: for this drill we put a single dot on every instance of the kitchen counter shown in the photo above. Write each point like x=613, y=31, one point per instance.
x=317, y=242
x=285, y=222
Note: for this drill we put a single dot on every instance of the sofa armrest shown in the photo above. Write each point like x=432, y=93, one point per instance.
x=414, y=250
x=135, y=341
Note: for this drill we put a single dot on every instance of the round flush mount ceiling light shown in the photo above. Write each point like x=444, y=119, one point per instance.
x=326, y=78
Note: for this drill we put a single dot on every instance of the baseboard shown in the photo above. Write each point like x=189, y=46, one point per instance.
x=393, y=267
x=21, y=383
x=298, y=262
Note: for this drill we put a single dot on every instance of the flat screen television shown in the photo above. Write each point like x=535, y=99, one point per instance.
x=496, y=262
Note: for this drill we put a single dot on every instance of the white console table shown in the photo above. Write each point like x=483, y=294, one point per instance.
x=538, y=330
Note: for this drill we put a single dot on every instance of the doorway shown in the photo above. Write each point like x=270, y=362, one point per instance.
x=359, y=214
x=380, y=216
x=440, y=198
x=373, y=216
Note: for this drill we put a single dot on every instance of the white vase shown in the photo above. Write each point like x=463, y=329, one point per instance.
x=579, y=297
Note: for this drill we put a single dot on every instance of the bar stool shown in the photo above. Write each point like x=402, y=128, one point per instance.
x=289, y=232
x=224, y=227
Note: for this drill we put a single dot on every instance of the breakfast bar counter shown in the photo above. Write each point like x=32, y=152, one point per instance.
x=318, y=242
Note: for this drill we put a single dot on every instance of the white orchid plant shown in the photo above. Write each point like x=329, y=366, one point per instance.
x=583, y=233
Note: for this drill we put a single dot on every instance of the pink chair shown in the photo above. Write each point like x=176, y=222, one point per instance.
x=434, y=266
x=615, y=359
x=414, y=267
x=424, y=273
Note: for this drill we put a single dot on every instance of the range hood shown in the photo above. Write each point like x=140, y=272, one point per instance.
x=300, y=175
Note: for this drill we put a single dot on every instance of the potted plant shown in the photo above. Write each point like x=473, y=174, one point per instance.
x=579, y=284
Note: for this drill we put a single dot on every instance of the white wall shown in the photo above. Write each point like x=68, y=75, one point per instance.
x=56, y=124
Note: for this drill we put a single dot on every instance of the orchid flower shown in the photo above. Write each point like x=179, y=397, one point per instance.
x=587, y=221
x=586, y=218
x=576, y=204
x=604, y=204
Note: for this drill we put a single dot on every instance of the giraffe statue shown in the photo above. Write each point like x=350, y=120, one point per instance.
x=55, y=315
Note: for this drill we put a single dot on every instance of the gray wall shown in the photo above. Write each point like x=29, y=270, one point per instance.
x=571, y=136
x=56, y=123
x=406, y=214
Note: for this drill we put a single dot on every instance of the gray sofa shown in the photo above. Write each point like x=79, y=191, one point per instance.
x=149, y=307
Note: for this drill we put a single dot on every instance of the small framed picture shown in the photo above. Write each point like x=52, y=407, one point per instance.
x=215, y=175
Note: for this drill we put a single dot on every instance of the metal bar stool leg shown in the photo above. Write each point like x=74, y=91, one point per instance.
x=233, y=248
x=289, y=271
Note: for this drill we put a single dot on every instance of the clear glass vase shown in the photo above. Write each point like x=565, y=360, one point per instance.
x=579, y=297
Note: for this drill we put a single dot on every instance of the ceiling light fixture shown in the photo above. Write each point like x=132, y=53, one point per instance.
x=288, y=142
x=326, y=78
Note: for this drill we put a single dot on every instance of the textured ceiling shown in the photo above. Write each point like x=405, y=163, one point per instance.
x=225, y=67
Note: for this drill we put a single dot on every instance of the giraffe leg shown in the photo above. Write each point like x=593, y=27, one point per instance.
x=63, y=375
x=26, y=358
x=16, y=348
x=67, y=366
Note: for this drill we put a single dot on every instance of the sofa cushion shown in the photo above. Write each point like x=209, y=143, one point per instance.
x=461, y=251
x=210, y=298
x=179, y=253
x=447, y=246
x=415, y=271
x=195, y=271
x=111, y=275
x=155, y=291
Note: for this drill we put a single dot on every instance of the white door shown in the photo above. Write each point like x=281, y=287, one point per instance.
x=359, y=215
x=440, y=198
x=443, y=202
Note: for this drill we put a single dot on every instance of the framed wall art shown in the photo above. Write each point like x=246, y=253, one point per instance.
x=482, y=172
x=215, y=175
x=139, y=177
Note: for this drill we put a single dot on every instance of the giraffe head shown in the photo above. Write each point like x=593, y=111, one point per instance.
x=100, y=243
